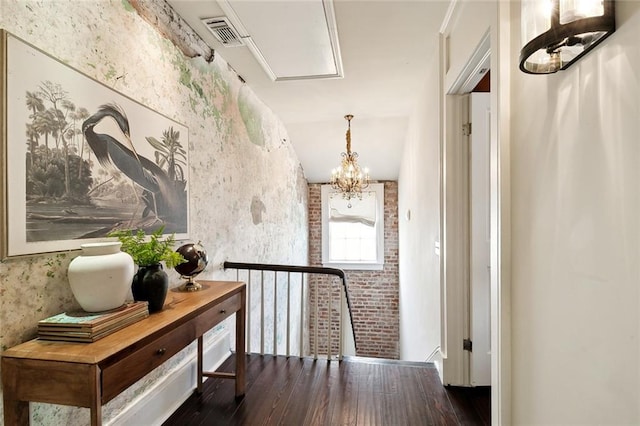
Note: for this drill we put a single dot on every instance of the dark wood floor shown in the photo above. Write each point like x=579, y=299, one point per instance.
x=298, y=391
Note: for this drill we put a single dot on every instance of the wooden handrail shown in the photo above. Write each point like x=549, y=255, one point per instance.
x=320, y=270
x=285, y=268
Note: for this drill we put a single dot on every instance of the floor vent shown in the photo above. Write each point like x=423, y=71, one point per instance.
x=223, y=31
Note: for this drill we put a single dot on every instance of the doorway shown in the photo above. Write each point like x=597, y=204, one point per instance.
x=488, y=28
x=467, y=230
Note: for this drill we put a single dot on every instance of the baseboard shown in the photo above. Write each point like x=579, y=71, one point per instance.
x=434, y=354
x=436, y=358
x=155, y=405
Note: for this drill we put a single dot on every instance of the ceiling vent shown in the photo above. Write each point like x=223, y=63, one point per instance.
x=223, y=31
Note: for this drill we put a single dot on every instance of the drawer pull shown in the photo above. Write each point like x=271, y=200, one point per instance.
x=223, y=311
x=161, y=351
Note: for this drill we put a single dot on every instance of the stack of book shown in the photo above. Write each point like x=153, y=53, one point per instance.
x=88, y=327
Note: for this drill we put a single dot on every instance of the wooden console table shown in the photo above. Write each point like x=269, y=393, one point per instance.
x=91, y=374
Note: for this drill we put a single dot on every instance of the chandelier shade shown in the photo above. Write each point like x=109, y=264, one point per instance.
x=348, y=178
x=557, y=33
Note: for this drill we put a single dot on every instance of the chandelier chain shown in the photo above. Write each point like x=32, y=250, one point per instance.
x=348, y=117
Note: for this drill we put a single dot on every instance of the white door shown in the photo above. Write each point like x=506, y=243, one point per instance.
x=480, y=273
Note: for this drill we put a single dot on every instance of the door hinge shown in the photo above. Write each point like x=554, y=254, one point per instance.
x=467, y=345
x=466, y=129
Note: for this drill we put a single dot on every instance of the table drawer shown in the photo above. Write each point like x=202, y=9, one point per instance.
x=214, y=316
x=125, y=372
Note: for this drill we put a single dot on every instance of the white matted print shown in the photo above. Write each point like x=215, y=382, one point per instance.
x=82, y=160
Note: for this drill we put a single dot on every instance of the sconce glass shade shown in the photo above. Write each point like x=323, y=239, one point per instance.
x=556, y=33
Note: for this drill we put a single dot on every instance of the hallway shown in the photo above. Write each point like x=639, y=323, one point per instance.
x=358, y=391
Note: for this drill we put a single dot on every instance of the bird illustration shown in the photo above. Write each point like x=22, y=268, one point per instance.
x=162, y=196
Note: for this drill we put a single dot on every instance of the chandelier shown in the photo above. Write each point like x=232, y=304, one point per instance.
x=349, y=179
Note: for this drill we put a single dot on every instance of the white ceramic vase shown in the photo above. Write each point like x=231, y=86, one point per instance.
x=100, y=278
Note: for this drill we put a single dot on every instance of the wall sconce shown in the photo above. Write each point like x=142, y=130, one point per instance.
x=556, y=33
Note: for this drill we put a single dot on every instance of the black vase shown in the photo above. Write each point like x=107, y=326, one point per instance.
x=150, y=284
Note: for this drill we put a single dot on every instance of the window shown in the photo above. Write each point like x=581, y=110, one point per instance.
x=353, y=231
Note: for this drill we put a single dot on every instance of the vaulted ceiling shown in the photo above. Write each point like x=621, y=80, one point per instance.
x=385, y=48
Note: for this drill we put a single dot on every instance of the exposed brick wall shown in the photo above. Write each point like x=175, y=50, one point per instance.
x=374, y=294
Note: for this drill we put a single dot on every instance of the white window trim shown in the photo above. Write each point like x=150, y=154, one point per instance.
x=378, y=265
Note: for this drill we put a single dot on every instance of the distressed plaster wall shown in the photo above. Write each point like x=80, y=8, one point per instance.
x=248, y=193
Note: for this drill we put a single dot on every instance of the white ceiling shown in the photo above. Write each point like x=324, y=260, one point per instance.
x=386, y=46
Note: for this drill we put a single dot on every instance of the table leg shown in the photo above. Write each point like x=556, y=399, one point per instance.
x=199, y=378
x=240, y=345
x=15, y=412
x=96, y=397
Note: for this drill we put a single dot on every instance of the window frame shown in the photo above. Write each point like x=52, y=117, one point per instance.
x=378, y=264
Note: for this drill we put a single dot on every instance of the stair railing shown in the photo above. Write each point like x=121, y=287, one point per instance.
x=291, y=296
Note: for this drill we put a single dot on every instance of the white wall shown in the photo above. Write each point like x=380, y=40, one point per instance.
x=418, y=191
x=575, y=235
x=575, y=238
x=419, y=186
x=469, y=22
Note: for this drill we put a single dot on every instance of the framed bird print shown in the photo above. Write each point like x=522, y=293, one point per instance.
x=81, y=160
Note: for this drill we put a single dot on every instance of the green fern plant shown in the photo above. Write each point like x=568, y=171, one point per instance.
x=149, y=252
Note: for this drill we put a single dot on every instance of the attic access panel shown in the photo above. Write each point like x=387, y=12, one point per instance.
x=290, y=40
